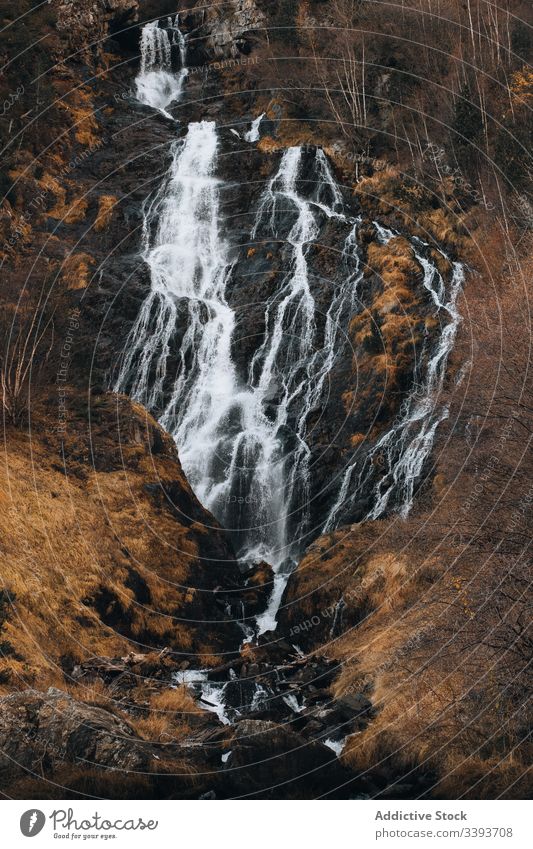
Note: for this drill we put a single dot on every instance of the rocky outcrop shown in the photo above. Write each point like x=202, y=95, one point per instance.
x=50, y=729
x=229, y=30
x=222, y=32
x=338, y=583
x=52, y=737
x=85, y=25
x=53, y=745
x=257, y=589
x=164, y=573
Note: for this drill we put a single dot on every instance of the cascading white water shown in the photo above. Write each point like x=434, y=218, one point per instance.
x=253, y=133
x=405, y=447
x=178, y=38
x=188, y=267
x=224, y=438
x=231, y=450
x=156, y=84
x=293, y=361
x=243, y=441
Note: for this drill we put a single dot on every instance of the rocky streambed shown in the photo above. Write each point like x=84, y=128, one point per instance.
x=263, y=724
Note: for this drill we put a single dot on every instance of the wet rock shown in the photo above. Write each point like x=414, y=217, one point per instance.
x=257, y=588
x=239, y=694
x=338, y=725
x=221, y=34
x=313, y=728
x=354, y=703
x=92, y=21
x=268, y=759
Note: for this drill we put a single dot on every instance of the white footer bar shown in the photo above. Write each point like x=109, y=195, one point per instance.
x=267, y=825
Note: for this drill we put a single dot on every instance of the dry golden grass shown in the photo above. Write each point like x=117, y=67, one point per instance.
x=168, y=717
x=15, y=232
x=475, y=778
x=385, y=335
x=158, y=728
x=106, y=205
x=387, y=192
x=95, y=693
x=77, y=543
x=64, y=210
x=76, y=270
x=80, y=110
x=416, y=649
x=175, y=700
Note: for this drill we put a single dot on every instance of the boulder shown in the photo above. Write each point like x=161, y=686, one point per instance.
x=257, y=588
x=41, y=731
x=272, y=761
x=354, y=704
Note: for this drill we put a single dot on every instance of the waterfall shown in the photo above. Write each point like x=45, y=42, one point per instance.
x=242, y=438
x=228, y=448
x=253, y=133
x=232, y=450
x=178, y=39
x=156, y=85
x=188, y=266
x=289, y=356
x=155, y=48
x=405, y=447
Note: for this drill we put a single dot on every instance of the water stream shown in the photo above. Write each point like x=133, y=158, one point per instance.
x=405, y=447
x=156, y=84
x=243, y=440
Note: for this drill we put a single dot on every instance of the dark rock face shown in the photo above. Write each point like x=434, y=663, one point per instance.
x=269, y=760
x=45, y=734
x=221, y=33
x=214, y=33
x=54, y=728
x=269, y=752
x=257, y=588
x=92, y=20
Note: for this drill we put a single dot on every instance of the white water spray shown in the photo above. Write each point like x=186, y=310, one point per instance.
x=156, y=84
x=231, y=442
x=404, y=449
x=253, y=133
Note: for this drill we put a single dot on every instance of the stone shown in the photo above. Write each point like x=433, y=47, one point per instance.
x=53, y=727
x=269, y=760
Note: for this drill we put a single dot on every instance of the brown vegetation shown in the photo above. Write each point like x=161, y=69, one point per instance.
x=92, y=563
